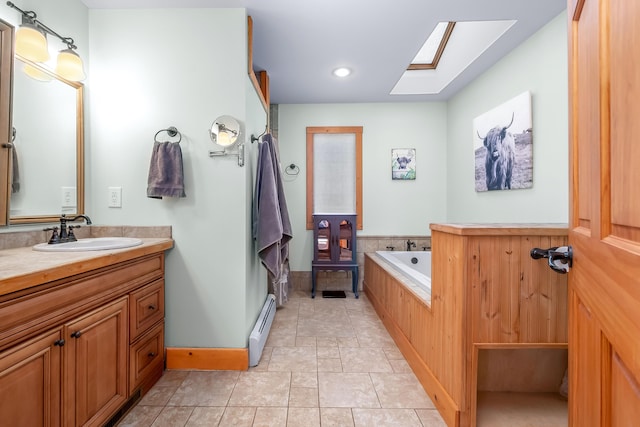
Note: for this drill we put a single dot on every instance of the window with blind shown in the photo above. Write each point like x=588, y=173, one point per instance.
x=334, y=172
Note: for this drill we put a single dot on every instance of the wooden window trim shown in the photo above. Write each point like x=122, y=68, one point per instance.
x=357, y=130
x=436, y=58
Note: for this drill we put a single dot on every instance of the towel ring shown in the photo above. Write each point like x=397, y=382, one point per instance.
x=292, y=169
x=171, y=131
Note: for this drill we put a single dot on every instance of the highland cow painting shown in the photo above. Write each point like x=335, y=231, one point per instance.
x=403, y=163
x=503, y=146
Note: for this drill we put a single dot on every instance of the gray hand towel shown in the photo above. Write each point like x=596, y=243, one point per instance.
x=166, y=178
x=15, y=176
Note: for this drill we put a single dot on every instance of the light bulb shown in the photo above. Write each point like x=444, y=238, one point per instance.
x=69, y=66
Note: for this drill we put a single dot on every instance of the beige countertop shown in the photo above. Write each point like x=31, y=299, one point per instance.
x=22, y=268
x=531, y=229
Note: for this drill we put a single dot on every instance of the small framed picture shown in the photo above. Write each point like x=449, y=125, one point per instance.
x=403, y=163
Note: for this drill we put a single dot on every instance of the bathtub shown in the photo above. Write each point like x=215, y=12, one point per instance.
x=415, y=265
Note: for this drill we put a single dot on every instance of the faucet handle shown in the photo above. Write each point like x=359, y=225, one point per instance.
x=70, y=236
x=391, y=248
x=55, y=238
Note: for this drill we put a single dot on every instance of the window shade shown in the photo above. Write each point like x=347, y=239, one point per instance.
x=334, y=173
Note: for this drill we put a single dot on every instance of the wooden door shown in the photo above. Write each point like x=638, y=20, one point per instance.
x=604, y=284
x=30, y=382
x=96, y=364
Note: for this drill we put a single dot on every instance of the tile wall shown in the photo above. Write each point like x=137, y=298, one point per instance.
x=341, y=280
x=20, y=239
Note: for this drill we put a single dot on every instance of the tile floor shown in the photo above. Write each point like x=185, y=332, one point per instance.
x=327, y=362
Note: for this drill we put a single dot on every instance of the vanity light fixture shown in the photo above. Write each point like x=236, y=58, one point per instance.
x=31, y=43
x=36, y=73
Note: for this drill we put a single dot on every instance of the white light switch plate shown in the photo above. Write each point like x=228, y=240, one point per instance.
x=115, y=197
x=68, y=197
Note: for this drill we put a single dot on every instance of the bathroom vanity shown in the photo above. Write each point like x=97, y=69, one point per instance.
x=81, y=333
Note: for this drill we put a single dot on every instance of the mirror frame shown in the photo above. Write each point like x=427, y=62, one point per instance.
x=6, y=88
x=79, y=88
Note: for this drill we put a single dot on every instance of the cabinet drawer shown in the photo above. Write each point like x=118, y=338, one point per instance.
x=147, y=308
x=147, y=357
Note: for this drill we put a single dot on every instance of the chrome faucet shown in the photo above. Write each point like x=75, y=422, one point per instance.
x=410, y=244
x=66, y=232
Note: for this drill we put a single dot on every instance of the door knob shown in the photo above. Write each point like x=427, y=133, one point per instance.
x=560, y=259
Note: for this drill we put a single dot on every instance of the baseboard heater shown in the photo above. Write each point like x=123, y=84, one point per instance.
x=261, y=330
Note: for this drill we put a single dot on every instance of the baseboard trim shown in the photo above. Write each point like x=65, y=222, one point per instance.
x=443, y=402
x=208, y=359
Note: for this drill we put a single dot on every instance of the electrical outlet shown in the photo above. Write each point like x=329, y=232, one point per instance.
x=68, y=197
x=115, y=197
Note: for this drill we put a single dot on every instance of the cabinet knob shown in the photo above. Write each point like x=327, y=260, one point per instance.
x=76, y=334
x=152, y=307
x=59, y=342
x=152, y=354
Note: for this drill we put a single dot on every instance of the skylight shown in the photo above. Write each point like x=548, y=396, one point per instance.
x=464, y=45
x=430, y=53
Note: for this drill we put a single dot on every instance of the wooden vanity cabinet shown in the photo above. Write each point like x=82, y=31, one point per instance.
x=31, y=382
x=96, y=364
x=105, y=348
x=146, y=334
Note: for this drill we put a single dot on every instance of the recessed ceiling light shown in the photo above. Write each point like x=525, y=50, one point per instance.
x=341, y=72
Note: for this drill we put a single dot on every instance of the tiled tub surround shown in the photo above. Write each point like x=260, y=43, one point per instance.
x=327, y=362
x=24, y=238
x=341, y=280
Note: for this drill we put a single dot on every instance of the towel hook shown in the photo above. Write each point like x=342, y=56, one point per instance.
x=171, y=131
x=257, y=138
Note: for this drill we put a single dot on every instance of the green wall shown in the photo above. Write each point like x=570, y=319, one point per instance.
x=539, y=65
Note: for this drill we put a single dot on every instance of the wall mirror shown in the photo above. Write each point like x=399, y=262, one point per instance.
x=48, y=140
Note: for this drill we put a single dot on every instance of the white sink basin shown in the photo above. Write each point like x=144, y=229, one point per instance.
x=90, y=244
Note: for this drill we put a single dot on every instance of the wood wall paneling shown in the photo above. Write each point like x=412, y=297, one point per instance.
x=487, y=292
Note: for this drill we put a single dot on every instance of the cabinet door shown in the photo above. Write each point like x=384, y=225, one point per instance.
x=30, y=382
x=324, y=240
x=345, y=241
x=96, y=364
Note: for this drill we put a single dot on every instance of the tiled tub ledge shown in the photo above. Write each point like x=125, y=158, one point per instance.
x=24, y=238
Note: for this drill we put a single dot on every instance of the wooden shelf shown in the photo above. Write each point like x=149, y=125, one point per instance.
x=505, y=409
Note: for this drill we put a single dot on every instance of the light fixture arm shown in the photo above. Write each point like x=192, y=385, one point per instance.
x=31, y=17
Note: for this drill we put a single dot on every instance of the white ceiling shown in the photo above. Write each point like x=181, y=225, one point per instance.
x=300, y=43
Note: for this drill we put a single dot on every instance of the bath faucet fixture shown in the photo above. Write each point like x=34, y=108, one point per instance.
x=410, y=244
x=66, y=232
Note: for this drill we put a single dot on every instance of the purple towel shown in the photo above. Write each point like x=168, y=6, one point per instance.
x=165, y=171
x=271, y=224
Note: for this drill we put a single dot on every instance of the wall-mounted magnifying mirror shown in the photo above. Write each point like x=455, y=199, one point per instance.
x=225, y=131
